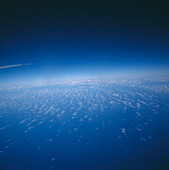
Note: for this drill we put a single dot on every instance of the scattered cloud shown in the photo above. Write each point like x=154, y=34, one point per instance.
x=16, y=65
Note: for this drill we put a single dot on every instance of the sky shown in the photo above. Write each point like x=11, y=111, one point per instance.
x=63, y=39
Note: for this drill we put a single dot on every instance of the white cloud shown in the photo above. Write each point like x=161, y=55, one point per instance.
x=16, y=65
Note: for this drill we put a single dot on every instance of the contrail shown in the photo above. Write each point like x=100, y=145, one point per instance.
x=16, y=65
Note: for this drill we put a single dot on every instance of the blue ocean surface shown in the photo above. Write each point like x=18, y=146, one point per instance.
x=85, y=125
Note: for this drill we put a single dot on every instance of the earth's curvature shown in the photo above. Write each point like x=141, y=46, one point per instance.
x=86, y=125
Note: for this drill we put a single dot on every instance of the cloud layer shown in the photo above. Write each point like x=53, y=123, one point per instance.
x=16, y=65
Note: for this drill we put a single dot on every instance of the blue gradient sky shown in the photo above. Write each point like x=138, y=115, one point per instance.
x=73, y=39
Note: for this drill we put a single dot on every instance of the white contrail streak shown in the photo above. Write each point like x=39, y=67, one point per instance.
x=16, y=65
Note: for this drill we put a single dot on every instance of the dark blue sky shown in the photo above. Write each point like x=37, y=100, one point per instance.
x=85, y=38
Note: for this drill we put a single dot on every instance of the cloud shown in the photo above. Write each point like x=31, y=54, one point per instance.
x=16, y=65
